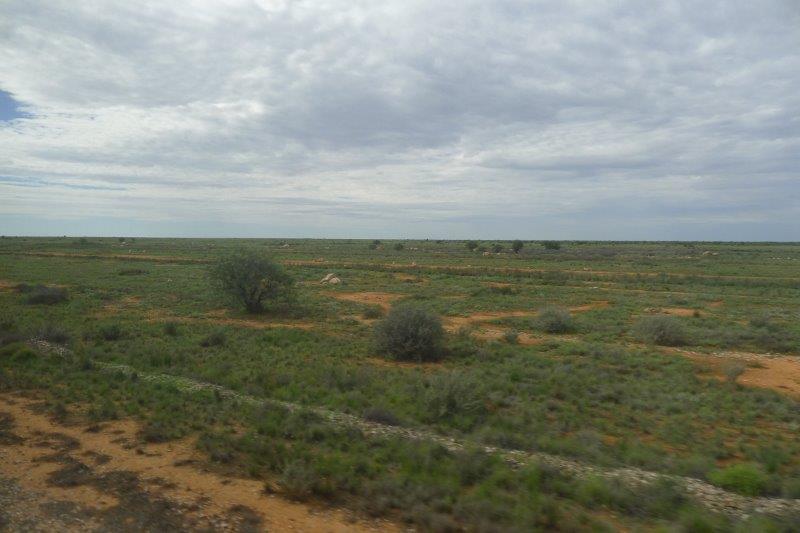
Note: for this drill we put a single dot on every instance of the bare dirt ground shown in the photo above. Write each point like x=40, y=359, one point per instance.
x=57, y=477
x=219, y=317
x=778, y=373
x=383, y=299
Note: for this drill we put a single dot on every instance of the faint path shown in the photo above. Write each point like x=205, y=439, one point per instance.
x=709, y=495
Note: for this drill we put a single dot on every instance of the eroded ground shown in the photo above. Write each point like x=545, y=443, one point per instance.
x=63, y=477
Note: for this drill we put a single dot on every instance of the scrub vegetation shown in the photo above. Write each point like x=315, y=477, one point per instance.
x=674, y=358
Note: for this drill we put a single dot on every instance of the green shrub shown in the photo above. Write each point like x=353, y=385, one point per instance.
x=399, y=246
x=410, y=333
x=110, y=333
x=555, y=320
x=372, y=312
x=298, y=480
x=171, y=329
x=516, y=246
x=381, y=415
x=471, y=245
x=497, y=248
x=661, y=330
x=743, y=478
x=511, y=336
x=251, y=279
x=53, y=333
x=216, y=338
x=47, y=295
x=132, y=272
x=551, y=245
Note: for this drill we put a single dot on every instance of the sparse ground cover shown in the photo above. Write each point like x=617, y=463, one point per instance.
x=600, y=389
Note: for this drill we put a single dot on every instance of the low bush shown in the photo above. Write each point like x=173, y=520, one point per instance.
x=171, y=329
x=744, y=478
x=298, y=480
x=661, y=330
x=555, y=320
x=110, y=332
x=511, y=336
x=46, y=295
x=410, y=333
x=132, y=272
x=382, y=416
x=372, y=312
x=53, y=333
x=217, y=338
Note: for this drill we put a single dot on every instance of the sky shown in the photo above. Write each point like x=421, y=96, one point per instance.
x=591, y=119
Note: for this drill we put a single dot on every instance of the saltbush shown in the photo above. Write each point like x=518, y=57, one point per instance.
x=662, y=330
x=41, y=294
x=744, y=478
x=410, y=333
x=555, y=320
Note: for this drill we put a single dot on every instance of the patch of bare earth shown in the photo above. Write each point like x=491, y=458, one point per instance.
x=6, y=285
x=219, y=317
x=383, y=299
x=778, y=373
x=113, y=482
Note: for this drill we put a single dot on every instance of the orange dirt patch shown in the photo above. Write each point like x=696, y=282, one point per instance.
x=781, y=374
x=718, y=303
x=114, y=308
x=6, y=285
x=408, y=278
x=426, y=367
x=602, y=304
x=383, y=299
x=212, y=494
x=681, y=311
x=217, y=316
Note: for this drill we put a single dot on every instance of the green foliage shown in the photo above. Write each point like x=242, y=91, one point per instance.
x=551, y=245
x=662, y=330
x=171, y=328
x=744, y=478
x=53, y=333
x=399, y=246
x=110, y=332
x=471, y=245
x=555, y=320
x=410, y=333
x=251, y=279
x=216, y=338
x=373, y=312
x=516, y=246
x=497, y=248
x=42, y=294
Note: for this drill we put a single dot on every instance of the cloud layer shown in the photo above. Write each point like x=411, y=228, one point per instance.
x=579, y=119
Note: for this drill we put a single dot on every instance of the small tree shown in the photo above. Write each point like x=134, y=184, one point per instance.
x=410, y=333
x=399, y=246
x=251, y=279
x=471, y=245
x=497, y=248
x=551, y=245
x=517, y=246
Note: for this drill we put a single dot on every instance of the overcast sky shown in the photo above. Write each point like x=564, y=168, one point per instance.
x=495, y=119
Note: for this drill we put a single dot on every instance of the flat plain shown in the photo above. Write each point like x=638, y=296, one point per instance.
x=596, y=386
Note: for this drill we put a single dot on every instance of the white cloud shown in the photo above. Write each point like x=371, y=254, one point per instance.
x=405, y=116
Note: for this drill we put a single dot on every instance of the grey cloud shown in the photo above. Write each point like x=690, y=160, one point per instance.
x=364, y=113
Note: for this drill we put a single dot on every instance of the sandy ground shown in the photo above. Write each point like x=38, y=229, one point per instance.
x=56, y=477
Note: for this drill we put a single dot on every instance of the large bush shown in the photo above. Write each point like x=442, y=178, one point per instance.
x=662, y=330
x=251, y=279
x=410, y=333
